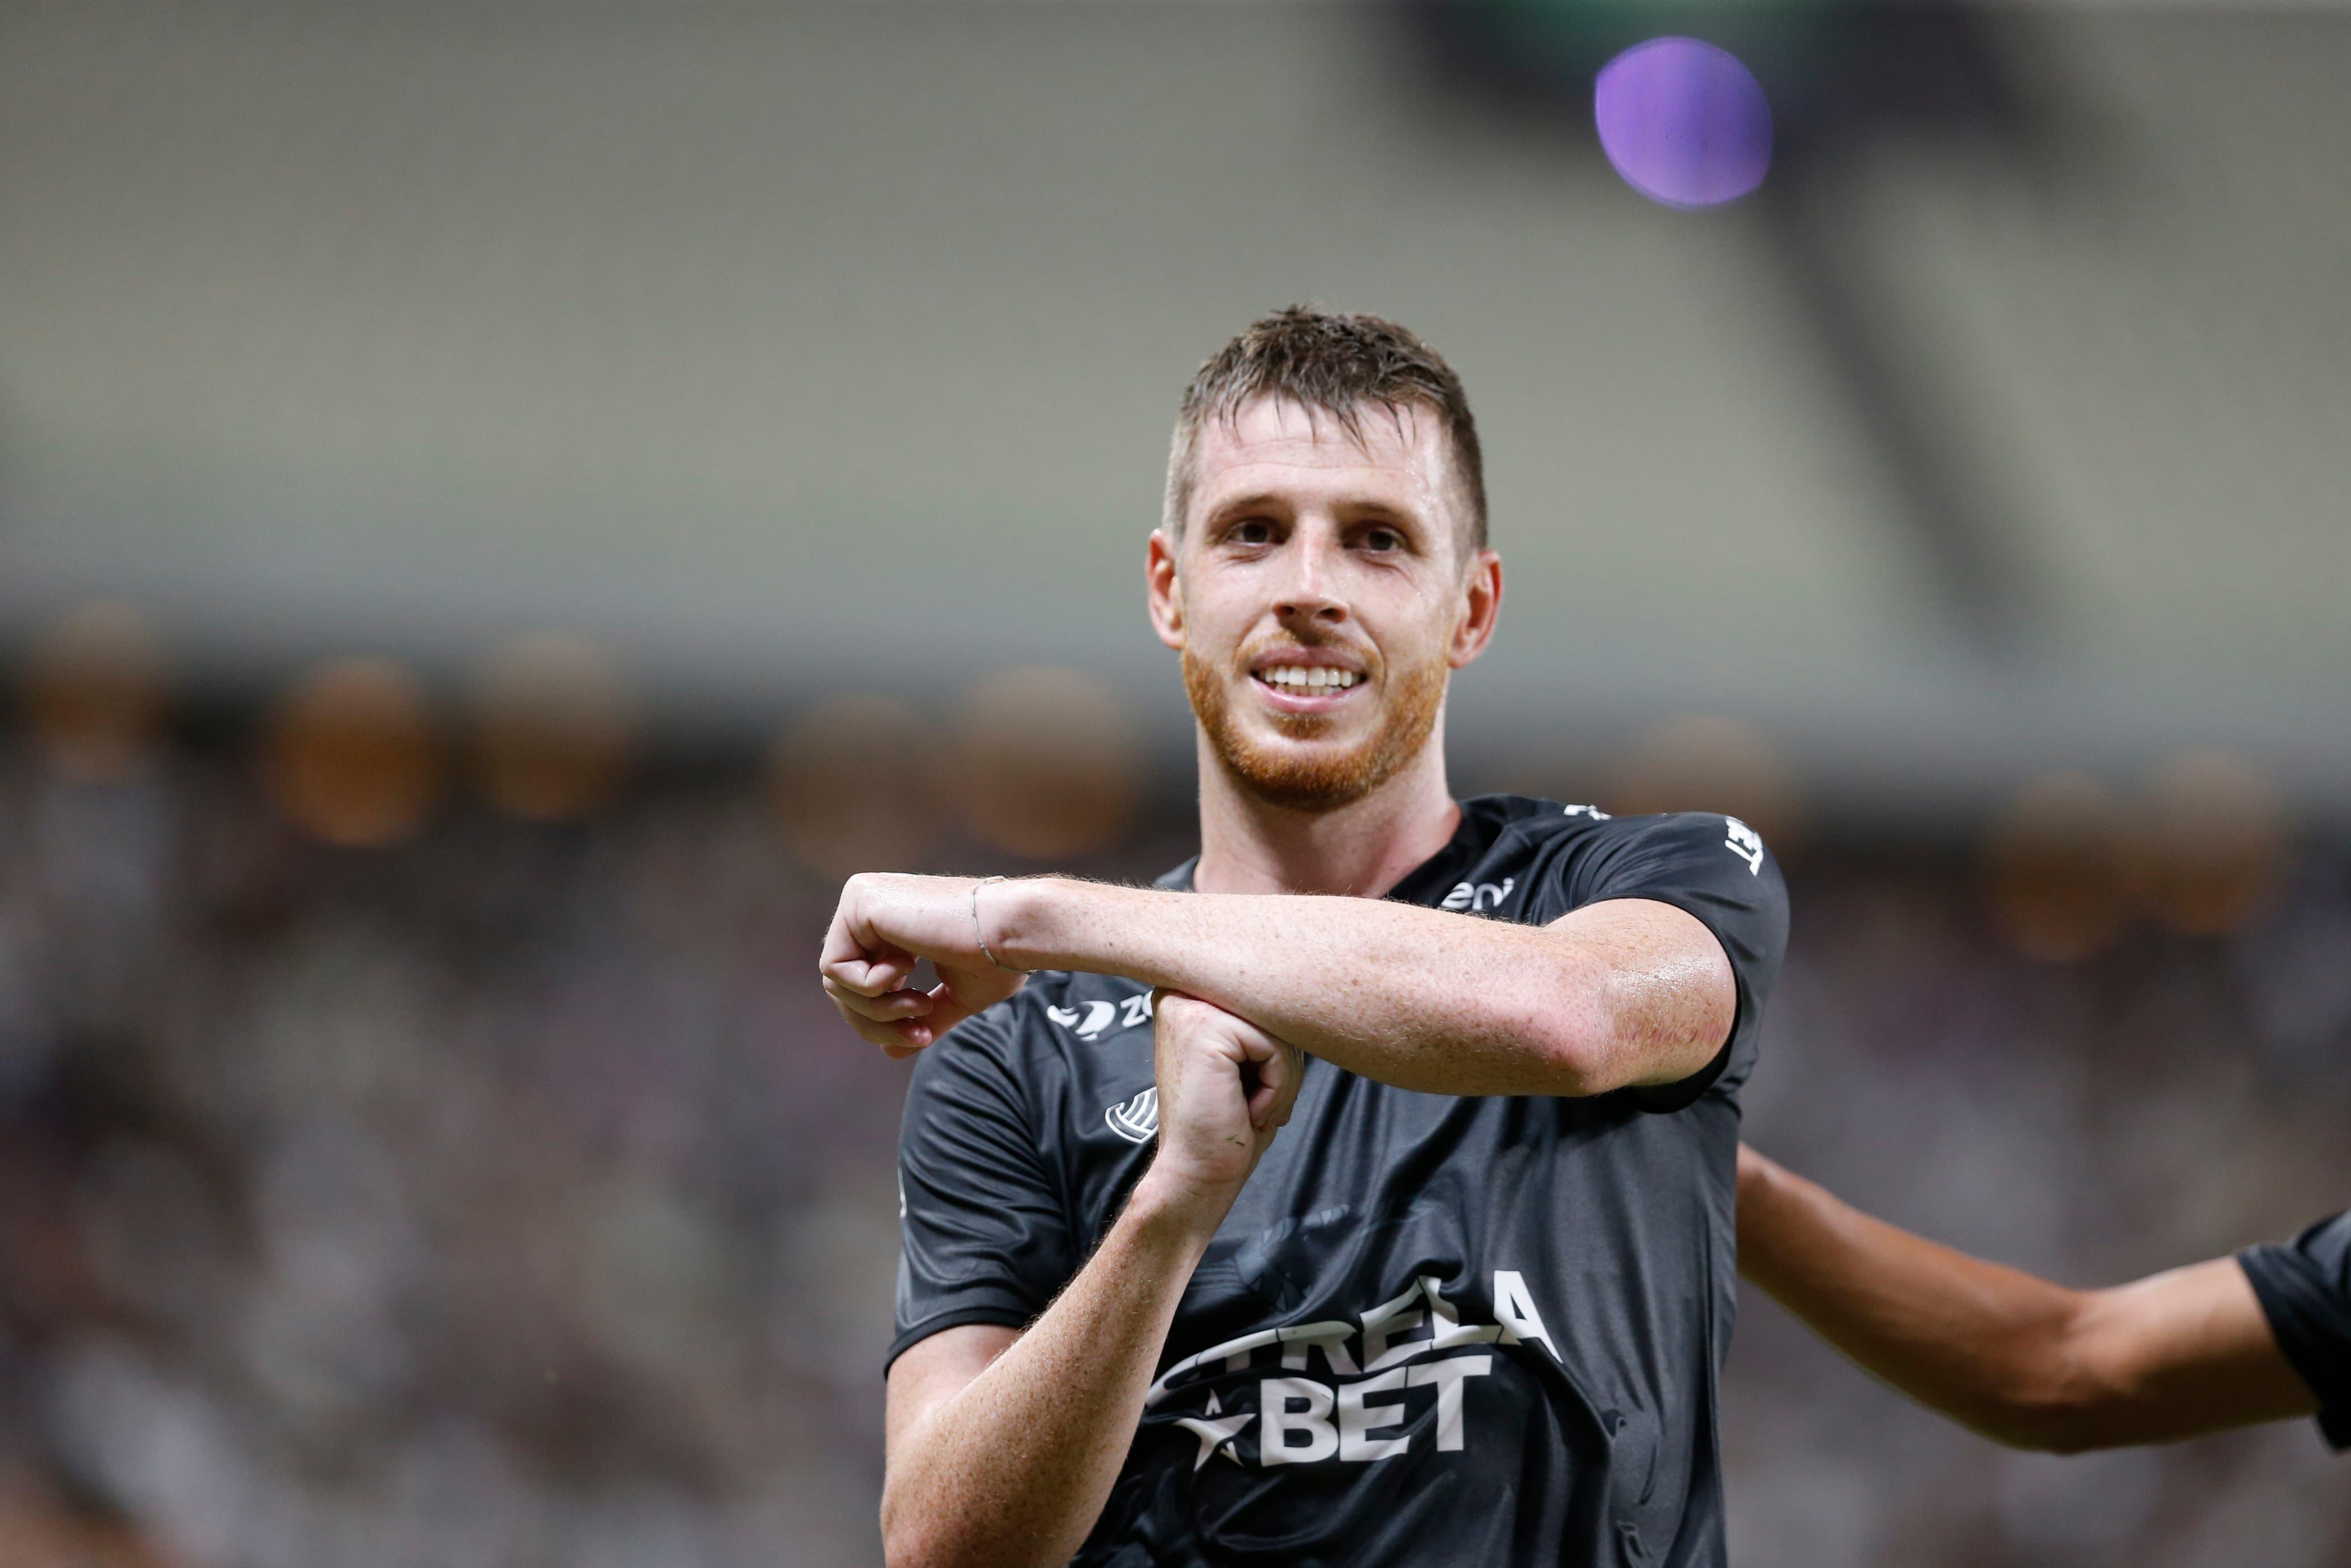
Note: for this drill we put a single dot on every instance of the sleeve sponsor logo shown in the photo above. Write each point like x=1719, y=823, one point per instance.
x=1594, y=812
x=1368, y=1406
x=1478, y=897
x=1746, y=843
x=1092, y=1020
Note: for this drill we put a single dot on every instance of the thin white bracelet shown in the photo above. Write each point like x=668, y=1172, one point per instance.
x=981, y=937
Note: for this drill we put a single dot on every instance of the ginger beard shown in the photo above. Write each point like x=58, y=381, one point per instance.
x=1323, y=777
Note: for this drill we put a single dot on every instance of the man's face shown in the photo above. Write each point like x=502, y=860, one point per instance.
x=1322, y=594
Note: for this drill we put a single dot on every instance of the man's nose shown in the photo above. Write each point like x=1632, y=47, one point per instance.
x=1311, y=594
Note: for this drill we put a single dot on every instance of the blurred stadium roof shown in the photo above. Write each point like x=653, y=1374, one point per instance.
x=792, y=348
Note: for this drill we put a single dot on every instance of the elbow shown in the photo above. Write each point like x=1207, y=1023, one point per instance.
x=907, y=1544
x=1653, y=1022
x=899, y=1549
x=1582, y=1056
x=2065, y=1431
x=904, y=1547
x=2077, y=1415
x=2061, y=1400
x=1573, y=1064
x=1635, y=1030
x=2059, y=1424
x=916, y=1543
x=907, y=1549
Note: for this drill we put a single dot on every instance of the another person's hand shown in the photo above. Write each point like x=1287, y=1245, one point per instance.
x=1226, y=1087
x=884, y=924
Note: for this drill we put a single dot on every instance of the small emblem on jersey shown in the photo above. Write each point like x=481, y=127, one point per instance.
x=1136, y=1120
x=1594, y=812
x=1746, y=843
x=1477, y=898
x=1092, y=1020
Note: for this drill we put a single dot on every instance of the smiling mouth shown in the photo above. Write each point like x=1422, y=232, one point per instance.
x=1307, y=680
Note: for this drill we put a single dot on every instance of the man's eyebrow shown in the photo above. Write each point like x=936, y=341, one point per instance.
x=1355, y=506
x=1262, y=498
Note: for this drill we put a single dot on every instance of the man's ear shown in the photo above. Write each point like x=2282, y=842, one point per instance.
x=1482, y=606
x=1164, y=589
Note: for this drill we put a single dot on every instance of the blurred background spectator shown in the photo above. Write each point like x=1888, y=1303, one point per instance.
x=502, y=506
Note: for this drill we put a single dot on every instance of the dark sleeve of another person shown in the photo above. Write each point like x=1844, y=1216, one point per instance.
x=2305, y=1287
x=984, y=1236
x=1716, y=869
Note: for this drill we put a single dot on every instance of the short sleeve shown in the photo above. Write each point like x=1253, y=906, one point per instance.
x=983, y=1234
x=2305, y=1287
x=1716, y=869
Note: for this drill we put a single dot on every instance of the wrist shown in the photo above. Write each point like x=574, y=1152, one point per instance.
x=1033, y=923
x=1184, y=1210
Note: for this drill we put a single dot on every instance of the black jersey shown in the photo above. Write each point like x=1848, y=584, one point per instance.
x=2305, y=1287
x=1434, y=1329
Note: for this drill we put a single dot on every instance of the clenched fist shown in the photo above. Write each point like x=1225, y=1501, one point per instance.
x=1226, y=1086
x=883, y=925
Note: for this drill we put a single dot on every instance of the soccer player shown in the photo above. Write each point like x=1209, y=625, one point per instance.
x=2258, y=1337
x=1471, y=1307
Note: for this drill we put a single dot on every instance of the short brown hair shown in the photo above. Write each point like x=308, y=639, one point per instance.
x=1336, y=364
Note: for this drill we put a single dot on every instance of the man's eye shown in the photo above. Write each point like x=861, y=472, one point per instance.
x=1383, y=539
x=1252, y=532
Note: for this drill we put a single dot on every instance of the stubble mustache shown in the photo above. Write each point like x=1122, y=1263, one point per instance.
x=1411, y=697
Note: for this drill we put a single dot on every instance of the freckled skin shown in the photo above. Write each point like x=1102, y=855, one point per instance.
x=1002, y=1445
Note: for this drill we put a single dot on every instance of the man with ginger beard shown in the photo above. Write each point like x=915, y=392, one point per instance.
x=1471, y=1307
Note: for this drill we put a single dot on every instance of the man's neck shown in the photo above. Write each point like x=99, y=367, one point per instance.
x=1366, y=848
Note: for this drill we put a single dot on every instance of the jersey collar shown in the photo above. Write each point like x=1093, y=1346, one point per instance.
x=1425, y=883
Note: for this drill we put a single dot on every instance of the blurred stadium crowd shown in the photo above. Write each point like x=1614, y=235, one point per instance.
x=397, y=1175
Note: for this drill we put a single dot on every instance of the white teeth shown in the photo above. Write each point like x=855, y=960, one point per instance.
x=1310, y=678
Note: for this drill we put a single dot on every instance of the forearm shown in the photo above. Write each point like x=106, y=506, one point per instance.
x=1417, y=998
x=1014, y=1467
x=2175, y=1356
x=1985, y=1345
x=2020, y=1359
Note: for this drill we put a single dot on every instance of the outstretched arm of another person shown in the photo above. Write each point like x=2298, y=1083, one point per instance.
x=1004, y=1444
x=2020, y=1359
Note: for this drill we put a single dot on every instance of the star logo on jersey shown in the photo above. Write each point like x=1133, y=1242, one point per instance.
x=1215, y=1432
x=1136, y=1120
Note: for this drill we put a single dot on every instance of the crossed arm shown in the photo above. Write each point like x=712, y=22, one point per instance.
x=2023, y=1360
x=1004, y=1444
x=1628, y=991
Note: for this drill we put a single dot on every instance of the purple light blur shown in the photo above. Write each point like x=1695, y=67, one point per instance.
x=1683, y=122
